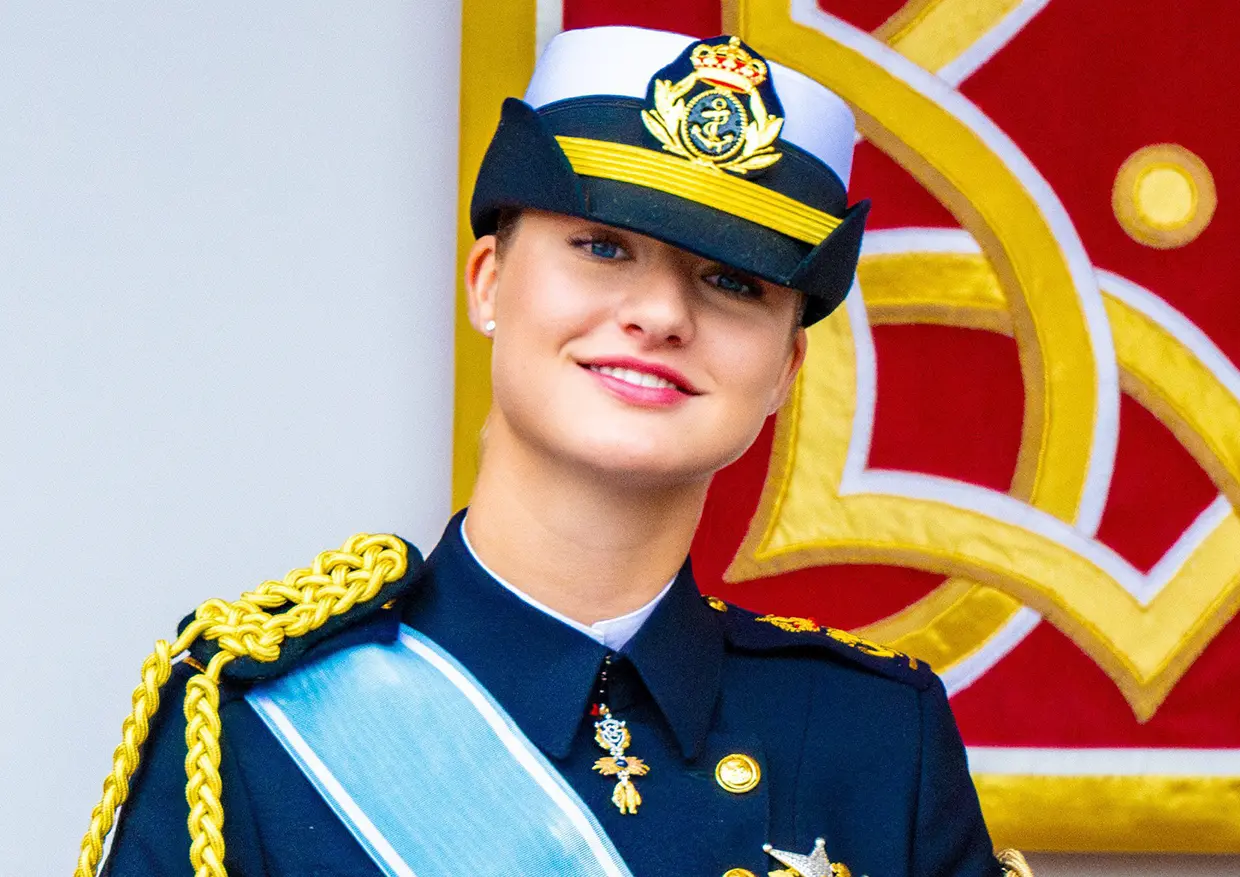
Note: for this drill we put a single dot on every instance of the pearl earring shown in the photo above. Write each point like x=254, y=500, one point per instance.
x=489, y=327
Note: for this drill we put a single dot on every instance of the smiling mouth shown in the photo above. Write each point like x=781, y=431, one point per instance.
x=651, y=381
x=636, y=378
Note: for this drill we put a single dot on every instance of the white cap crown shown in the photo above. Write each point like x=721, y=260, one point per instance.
x=815, y=118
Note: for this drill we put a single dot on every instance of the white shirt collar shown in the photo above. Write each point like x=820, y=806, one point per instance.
x=614, y=633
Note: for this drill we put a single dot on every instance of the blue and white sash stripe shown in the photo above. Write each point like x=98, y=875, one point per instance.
x=426, y=770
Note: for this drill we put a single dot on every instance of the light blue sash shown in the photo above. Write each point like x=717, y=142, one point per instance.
x=427, y=770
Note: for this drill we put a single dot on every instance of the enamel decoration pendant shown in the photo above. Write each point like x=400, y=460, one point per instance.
x=816, y=864
x=611, y=734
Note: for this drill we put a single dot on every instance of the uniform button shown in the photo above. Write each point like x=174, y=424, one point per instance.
x=737, y=773
x=719, y=606
x=739, y=872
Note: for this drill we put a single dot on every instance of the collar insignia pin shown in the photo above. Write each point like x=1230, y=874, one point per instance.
x=816, y=864
x=611, y=734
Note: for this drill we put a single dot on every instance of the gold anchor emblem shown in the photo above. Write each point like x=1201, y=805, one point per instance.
x=725, y=126
x=718, y=114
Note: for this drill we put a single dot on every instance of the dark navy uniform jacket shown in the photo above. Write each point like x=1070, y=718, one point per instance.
x=857, y=749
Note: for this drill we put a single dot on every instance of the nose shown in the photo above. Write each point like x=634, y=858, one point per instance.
x=658, y=307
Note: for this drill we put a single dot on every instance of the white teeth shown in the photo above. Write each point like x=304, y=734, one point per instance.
x=636, y=378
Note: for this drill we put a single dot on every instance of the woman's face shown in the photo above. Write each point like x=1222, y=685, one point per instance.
x=628, y=356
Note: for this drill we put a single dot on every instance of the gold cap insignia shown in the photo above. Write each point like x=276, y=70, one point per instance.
x=715, y=115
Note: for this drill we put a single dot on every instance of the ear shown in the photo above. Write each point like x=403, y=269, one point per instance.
x=481, y=280
x=796, y=358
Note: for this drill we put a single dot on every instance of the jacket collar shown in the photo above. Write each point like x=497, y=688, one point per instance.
x=542, y=671
x=678, y=653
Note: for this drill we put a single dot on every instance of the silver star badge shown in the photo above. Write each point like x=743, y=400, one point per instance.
x=816, y=864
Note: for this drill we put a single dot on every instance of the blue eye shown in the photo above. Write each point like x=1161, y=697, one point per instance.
x=733, y=285
x=599, y=245
x=604, y=249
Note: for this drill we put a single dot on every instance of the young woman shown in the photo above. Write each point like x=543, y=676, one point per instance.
x=548, y=693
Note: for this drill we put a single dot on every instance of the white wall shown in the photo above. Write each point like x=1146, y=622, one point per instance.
x=226, y=281
x=226, y=277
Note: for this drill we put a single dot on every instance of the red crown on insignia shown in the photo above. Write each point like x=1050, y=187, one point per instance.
x=729, y=65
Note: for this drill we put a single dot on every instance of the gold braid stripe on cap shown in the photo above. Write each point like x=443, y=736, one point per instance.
x=696, y=182
x=304, y=601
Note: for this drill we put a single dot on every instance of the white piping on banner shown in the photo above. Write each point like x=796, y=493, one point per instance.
x=989, y=43
x=1142, y=586
x=1106, y=425
x=1032, y=761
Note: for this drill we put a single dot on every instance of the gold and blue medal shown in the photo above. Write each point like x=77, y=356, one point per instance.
x=611, y=734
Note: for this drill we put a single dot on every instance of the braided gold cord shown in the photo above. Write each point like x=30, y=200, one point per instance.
x=204, y=788
x=145, y=701
x=306, y=599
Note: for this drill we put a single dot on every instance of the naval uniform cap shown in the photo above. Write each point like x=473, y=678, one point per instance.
x=815, y=118
x=700, y=143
